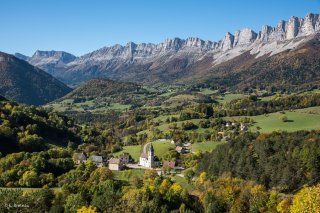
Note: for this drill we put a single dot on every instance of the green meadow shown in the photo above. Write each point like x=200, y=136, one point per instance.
x=207, y=146
x=301, y=119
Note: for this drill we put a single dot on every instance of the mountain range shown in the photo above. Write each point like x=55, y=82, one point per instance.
x=191, y=60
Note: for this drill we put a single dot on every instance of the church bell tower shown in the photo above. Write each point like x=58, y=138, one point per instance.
x=151, y=156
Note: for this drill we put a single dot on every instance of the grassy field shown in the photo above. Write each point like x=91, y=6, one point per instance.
x=229, y=97
x=165, y=126
x=163, y=118
x=179, y=99
x=183, y=182
x=301, y=119
x=134, y=151
x=128, y=175
x=160, y=148
x=207, y=91
x=205, y=146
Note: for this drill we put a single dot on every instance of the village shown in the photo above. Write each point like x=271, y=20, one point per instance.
x=147, y=160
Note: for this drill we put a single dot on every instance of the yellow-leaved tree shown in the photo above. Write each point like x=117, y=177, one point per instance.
x=306, y=200
x=85, y=209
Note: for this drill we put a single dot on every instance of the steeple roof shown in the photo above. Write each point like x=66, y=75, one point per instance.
x=151, y=148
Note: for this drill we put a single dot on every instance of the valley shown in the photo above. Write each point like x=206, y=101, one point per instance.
x=184, y=125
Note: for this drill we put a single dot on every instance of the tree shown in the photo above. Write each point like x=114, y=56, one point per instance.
x=164, y=187
x=137, y=182
x=258, y=198
x=131, y=200
x=284, y=206
x=5, y=129
x=90, y=209
x=99, y=175
x=29, y=179
x=306, y=200
x=149, y=176
x=213, y=204
x=30, y=141
x=189, y=174
x=284, y=118
x=47, y=179
x=273, y=201
x=39, y=200
x=105, y=195
x=174, y=193
x=74, y=202
x=171, y=155
x=201, y=179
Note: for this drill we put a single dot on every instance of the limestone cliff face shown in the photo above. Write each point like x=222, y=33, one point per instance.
x=119, y=60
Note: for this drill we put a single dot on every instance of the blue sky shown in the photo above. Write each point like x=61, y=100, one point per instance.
x=81, y=26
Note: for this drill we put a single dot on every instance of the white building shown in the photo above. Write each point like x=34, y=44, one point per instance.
x=148, y=159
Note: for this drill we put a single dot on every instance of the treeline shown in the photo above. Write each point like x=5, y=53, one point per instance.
x=91, y=189
x=285, y=161
x=251, y=106
x=88, y=187
x=103, y=88
x=235, y=195
x=38, y=169
x=33, y=129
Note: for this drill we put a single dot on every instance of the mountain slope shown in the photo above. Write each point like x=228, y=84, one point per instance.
x=28, y=128
x=22, y=82
x=298, y=67
x=51, y=61
x=190, y=60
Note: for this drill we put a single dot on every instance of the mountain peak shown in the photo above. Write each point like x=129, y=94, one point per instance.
x=177, y=52
x=244, y=37
x=57, y=55
x=21, y=56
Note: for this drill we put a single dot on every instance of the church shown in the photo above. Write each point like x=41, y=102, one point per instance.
x=148, y=159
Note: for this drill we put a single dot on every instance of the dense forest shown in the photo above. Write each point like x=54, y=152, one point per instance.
x=27, y=128
x=279, y=160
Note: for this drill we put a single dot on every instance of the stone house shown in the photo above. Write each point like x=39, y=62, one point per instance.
x=80, y=158
x=97, y=159
x=115, y=164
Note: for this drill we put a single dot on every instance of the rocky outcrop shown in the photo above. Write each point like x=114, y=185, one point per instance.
x=52, y=57
x=227, y=42
x=133, y=58
x=50, y=61
x=244, y=37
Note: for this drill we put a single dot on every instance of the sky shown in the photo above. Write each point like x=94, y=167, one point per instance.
x=82, y=26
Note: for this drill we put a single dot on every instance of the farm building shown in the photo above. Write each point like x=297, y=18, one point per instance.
x=80, y=158
x=97, y=159
x=116, y=164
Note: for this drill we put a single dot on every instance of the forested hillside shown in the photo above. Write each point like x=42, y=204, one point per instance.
x=285, y=161
x=27, y=128
x=24, y=83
